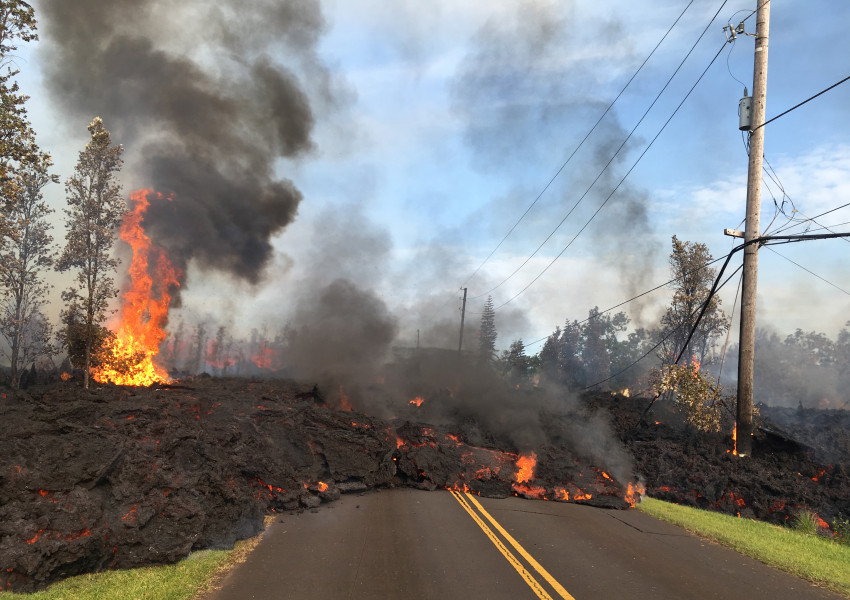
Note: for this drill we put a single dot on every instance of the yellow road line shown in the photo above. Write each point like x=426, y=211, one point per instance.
x=535, y=585
x=537, y=566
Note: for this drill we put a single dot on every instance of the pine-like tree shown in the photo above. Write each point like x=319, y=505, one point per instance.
x=487, y=333
x=95, y=209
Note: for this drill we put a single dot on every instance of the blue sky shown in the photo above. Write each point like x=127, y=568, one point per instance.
x=451, y=117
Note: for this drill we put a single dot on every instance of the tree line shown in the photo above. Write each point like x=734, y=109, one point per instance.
x=600, y=351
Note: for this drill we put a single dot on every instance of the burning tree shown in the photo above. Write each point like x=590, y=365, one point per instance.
x=25, y=253
x=95, y=210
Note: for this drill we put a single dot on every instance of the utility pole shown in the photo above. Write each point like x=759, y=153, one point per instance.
x=462, y=315
x=744, y=425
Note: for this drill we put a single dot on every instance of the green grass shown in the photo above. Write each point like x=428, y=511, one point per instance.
x=185, y=580
x=180, y=581
x=818, y=559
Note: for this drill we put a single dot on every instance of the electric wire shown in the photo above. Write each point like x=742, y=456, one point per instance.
x=796, y=106
x=808, y=271
x=580, y=144
x=671, y=332
x=762, y=241
x=729, y=329
x=617, y=187
x=641, y=295
x=812, y=219
x=616, y=153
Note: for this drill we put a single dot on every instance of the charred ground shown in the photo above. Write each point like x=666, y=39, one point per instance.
x=120, y=477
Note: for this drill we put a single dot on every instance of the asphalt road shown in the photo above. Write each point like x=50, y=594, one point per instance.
x=412, y=545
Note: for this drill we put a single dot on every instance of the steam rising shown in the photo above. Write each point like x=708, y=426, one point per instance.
x=206, y=129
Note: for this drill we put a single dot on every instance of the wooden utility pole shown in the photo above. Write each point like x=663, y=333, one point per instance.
x=462, y=315
x=744, y=426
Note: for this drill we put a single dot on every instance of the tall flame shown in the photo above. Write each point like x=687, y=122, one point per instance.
x=144, y=308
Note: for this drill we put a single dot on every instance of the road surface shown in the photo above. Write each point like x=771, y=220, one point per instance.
x=408, y=544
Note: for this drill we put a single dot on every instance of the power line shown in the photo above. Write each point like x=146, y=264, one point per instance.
x=763, y=241
x=577, y=148
x=713, y=292
x=641, y=295
x=812, y=219
x=601, y=206
x=628, y=137
x=808, y=271
x=782, y=114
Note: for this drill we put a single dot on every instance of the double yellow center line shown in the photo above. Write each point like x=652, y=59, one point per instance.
x=474, y=508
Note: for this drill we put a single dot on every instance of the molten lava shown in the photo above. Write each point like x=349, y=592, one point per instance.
x=525, y=467
x=144, y=310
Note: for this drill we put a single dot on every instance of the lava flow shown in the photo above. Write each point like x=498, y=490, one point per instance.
x=144, y=310
x=525, y=474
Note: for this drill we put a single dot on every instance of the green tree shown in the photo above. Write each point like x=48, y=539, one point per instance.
x=17, y=23
x=694, y=278
x=594, y=352
x=95, y=209
x=516, y=363
x=487, y=333
x=25, y=254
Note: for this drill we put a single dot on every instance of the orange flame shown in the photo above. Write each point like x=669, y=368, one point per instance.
x=735, y=440
x=344, y=402
x=264, y=356
x=417, y=401
x=525, y=464
x=695, y=365
x=65, y=376
x=634, y=492
x=323, y=486
x=144, y=310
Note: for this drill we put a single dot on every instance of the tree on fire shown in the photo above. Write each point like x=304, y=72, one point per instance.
x=24, y=256
x=694, y=278
x=487, y=333
x=95, y=211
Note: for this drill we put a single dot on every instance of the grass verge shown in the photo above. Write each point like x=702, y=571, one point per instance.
x=192, y=577
x=817, y=559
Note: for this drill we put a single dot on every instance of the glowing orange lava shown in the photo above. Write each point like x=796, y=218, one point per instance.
x=323, y=486
x=144, y=309
x=525, y=463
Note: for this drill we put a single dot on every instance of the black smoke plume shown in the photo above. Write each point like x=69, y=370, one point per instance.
x=204, y=110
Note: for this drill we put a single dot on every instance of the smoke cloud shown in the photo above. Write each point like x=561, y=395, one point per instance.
x=527, y=93
x=204, y=111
